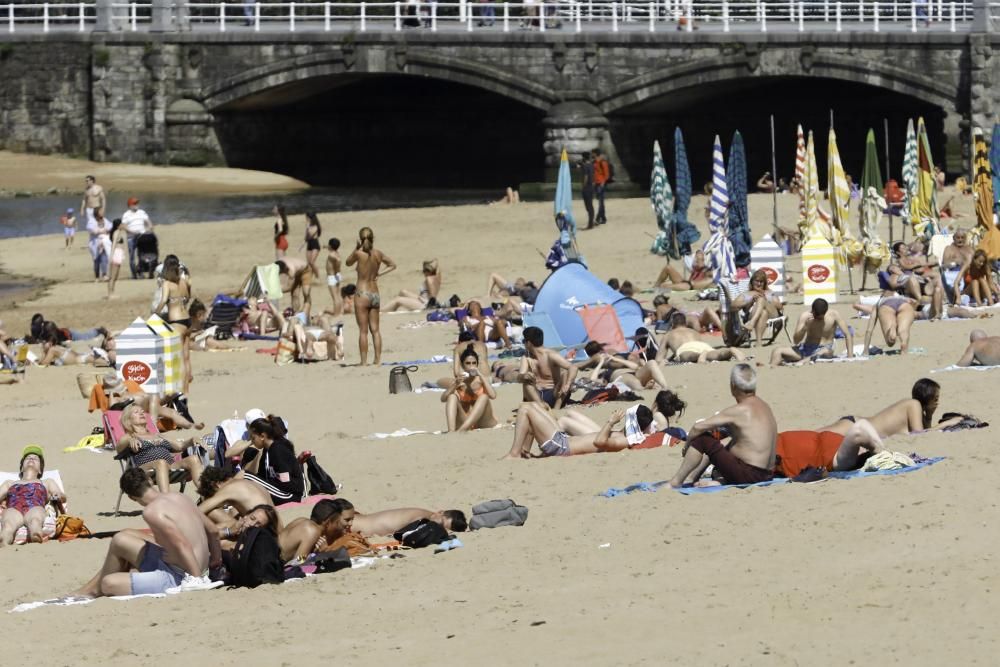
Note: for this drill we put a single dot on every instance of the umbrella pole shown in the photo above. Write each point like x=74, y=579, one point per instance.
x=885, y=124
x=774, y=177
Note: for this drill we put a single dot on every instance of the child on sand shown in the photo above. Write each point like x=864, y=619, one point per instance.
x=68, y=222
x=333, y=278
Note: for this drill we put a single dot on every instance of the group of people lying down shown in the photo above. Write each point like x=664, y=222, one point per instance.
x=756, y=451
x=189, y=546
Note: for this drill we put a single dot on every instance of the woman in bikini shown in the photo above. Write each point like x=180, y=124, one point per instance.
x=152, y=452
x=979, y=284
x=27, y=497
x=367, y=300
x=700, y=277
x=280, y=232
x=486, y=328
x=637, y=374
x=313, y=232
x=425, y=298
x=910, y=415
x=895, y=314
x=119, y=252
x=175, y=294
x=55, y=353
x=763, y=304
x=467, y=401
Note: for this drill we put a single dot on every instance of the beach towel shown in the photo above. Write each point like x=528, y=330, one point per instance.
x=71, y=600
x=436, y=359
x=94, y=442
x=846, y=474
x=955, y=367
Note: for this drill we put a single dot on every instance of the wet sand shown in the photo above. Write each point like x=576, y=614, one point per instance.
x=894, y=569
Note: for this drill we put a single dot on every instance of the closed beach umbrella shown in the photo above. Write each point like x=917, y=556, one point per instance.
x=800, y=174
x=872, y=205
x=816, y=226
x=718, y=249
x=739, y=217
x=662, y=199
x=840, y=203
x=995, y=165
x=925, y=217
x=564, y=195
x=909, y=168
x=686, y=232
x=982, y=184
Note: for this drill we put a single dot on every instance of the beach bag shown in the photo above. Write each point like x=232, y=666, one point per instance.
x=332, y=561
x=70, y=527
x=439, y=316
x=399, y=381
x=497, y=513
x=421, y=533
x=319, y=480
x=255, y=560
x=968, y=421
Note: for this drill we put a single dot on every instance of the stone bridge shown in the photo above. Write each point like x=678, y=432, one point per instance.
x=164, y=98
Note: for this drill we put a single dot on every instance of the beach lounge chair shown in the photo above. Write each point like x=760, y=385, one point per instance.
x=733, y=332
x=113, y=432
x=52, y=510
x=225, y=312
x=602, y=325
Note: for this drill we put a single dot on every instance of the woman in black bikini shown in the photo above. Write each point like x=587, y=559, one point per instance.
x=313, y=233
x=175, y=294
x=152, y=452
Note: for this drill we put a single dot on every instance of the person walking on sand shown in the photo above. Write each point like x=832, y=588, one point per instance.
x=99, y=244
x=93, y=199
x=136, y=222
x=119, y=235
x=313, y=232
x=367, y=301
x=587, y=188
x=333, y=278
x=68, y=222
x=281, y=230
x=602, y=176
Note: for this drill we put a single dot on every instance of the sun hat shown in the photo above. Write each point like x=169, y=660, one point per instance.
x=28, y=451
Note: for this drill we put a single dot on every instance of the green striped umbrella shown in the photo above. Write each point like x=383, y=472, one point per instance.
x=662, y=199
x=910, y=168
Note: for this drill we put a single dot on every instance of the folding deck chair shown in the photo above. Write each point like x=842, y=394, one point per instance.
x=602, y=325
x=733, y=332
x=113, y=432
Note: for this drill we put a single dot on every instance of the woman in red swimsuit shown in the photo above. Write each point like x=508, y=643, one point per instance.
x=280, y=232
x=27, y=497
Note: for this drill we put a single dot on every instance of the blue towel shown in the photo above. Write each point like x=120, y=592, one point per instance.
x=690, y=490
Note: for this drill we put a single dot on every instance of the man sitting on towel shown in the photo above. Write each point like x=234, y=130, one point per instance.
x=752, y=430
x=179, y=553
x=814, y=336
x=535, y=424
x=685, y=345
x=983, y=350
x=546, y=377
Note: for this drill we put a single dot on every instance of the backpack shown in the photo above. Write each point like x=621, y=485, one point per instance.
x=421, y=533
x=331, y=561
x=255, y=560
x=497, y=513
x=319, y=480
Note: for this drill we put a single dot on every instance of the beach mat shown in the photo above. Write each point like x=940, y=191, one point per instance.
x=692, y=490
x=955, y=367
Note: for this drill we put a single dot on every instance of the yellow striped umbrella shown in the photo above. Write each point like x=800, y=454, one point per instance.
x=840, y=202
x=982, y=184
x=924, y=213
x=815, y=225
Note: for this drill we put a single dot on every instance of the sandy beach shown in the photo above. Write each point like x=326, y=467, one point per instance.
x=872, y=571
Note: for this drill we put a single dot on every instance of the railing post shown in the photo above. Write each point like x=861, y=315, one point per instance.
x=134, y=19
x=83, y=9
x=875, y=13
x=256, y=17
x=506, y=17
x=104, y=16
x=690, y=16
x=791, y=11
x=652, y=17
x=10, y=17
x=590, y=10
x=462, y=18
x=951, y=6
x=222, y=16
x=541, y=17
x=434, y=16
x=913, y=17
x=45, y=17
x=895, y=10
x=579, y=20
x=826, y=11
x=763, y=17
x=839, y=13
x=364, y=26
x=802, y=16
x=326, y=15
x=861, y=12
x=725, y=15
x=614, y=17
x=398, y=18
x=291, y=17
x=468, y=19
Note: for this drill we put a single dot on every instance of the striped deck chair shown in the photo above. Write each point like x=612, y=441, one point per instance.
x=602, y=325
x=551, y=335
x=113, y=432
x=733, y=332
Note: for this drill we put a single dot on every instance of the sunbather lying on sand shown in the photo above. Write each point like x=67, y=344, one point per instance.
x=797, y=450
x=634, y=374
x=220, y=488
x=910, y=415
x=814, y=336
x=27, y=497
x=983, y=350
x=387, y=522
x=535, y=424
x=926, y=311
x=328, y=522
x=684, y=344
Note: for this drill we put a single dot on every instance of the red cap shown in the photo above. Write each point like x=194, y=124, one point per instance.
x=132, y=201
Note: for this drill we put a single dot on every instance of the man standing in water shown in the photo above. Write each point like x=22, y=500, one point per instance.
x=93, y=198
x=367, y=301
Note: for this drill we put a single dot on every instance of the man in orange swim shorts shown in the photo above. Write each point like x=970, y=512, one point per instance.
x=797, y=450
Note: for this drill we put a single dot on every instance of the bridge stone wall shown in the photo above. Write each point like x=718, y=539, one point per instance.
x=153, y=98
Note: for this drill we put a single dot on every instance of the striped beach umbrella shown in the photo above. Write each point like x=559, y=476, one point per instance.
x=995, y=165
x=850, y=249
x=800, y=174
x=686, y=232
x=739, y=217
x=909, y=168
x=662, y=199
x=718, y=249
x=815, y=225
x=872, y=205
x=982, y=186
x=925, y=217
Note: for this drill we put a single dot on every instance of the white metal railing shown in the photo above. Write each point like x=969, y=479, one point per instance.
x=499, y=16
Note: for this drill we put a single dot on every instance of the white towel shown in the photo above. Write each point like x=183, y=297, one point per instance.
x=955, y=367
x=234, y=430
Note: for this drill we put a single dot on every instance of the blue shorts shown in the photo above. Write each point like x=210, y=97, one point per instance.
x=548, y=397
x=809, y=350
x=155, y=575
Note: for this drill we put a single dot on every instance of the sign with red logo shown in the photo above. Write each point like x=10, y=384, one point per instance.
x=818, y=273
x=771, y=274
x=136, y=371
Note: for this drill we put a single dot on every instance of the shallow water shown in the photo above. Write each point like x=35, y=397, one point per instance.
x=33, y=216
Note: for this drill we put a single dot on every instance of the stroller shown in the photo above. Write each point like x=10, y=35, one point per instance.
x=148, y=254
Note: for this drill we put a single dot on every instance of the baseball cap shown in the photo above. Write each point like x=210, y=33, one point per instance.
x=253, y=415
x=132, y=201
x=69, y=210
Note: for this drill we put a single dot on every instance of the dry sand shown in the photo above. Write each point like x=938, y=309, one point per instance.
x=874, y=571
x=38, y=174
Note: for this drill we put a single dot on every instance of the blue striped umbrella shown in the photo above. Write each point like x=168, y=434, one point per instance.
x=995, y=165
x=739, y=217
x=686, y=232
x=718, y=249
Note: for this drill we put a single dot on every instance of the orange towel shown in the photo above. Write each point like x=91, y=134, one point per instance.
x=99, y=400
